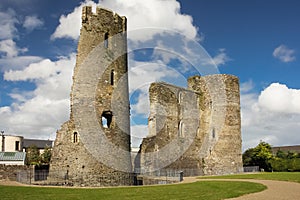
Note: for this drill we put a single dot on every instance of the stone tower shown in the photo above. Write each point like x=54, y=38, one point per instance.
x=93, y=147
x=195, y=130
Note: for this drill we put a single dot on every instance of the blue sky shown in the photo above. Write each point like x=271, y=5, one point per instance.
x=258, y=41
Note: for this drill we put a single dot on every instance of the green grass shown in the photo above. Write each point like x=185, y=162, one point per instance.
x=208, y=190
x=280, y=176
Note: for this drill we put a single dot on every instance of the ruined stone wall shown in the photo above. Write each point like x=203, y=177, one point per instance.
x=95, y=142
x=202, y=123
x=173, y=126
x=220, y=123
x=10, y=172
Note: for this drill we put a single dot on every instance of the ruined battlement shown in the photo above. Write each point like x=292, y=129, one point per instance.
x=103, y=15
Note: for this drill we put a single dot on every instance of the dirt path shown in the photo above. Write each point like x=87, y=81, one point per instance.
x=277, y=190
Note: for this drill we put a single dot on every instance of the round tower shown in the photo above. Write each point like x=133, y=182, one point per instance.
x=93, y=147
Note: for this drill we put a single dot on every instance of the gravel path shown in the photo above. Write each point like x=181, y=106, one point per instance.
x=277, y=190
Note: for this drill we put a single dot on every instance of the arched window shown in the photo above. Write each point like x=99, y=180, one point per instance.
x=179, y=97
x=112, y=76
x=106, y=40
x=75, y=137
x=181, y=129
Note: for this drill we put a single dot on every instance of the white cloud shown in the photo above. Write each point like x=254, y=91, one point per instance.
x=221, y=58
x=38, y=113
x=279, y=98
x=284, y=54
x=138, y=132
x=162, y=15
x=7, y=23
x=141, y=75
x=272, y=116
x=69, y=25
x=10, y=49
x=16, y=63
x=32, y=22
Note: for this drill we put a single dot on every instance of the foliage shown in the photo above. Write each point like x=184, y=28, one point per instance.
x=284, y=162
x=33, y=156
x=209, y=190
x=46, y=155
x=261, y=156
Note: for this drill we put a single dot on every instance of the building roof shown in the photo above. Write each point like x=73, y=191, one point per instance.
x=295, y=149
x=40, y=144
x=12, y=156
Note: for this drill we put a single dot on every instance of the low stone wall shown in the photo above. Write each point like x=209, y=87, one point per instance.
x=9, y=172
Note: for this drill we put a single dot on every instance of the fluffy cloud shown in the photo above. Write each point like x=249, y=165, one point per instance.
x=272, y=116
x=10, y=49
x=284, y=54
x=38, y=113
x=32, y=22
x=221, y=58
x=7, y=24
x=10, y=58
x=161, y=15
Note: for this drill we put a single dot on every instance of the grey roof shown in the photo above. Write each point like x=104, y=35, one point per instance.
x=12, y=156
x=40, y=144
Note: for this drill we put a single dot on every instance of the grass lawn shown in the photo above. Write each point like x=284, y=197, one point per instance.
x=199, y=190
x=280, y=176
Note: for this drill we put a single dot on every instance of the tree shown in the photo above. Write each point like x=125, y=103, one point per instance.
x=46, y=155
x=32, y=155
x=260, y=156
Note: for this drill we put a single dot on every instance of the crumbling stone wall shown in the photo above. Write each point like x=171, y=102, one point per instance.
x=95, y=142
x=203, y=123
x=10, y=172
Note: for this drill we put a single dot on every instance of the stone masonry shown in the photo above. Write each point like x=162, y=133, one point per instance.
x=195, y=130
x=93, y=147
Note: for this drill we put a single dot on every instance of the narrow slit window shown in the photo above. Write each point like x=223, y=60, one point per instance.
x=112, y=76
x=106, y=40
x=75, y=137
x=181, y=129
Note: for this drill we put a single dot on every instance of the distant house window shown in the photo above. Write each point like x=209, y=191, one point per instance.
x=106, y=40
x=112, y=74
x=17, y=146
x=75, y=137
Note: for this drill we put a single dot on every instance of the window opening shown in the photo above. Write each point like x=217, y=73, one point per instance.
x=106, y=40
x=75, y=137
x=17, y=145
x=213, y=133
x=181, y=129
x=112, y=74
x=106, y=119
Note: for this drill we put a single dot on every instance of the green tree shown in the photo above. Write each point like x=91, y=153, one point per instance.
x=261, y=156
x=46, y=155
x=32, y=155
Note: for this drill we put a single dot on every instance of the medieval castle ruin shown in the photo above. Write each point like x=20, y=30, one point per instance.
x=195, y=130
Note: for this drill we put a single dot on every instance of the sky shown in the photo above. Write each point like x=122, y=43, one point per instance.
x=257, y=41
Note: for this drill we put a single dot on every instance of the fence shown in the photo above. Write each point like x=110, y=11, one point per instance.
x=251, y=169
